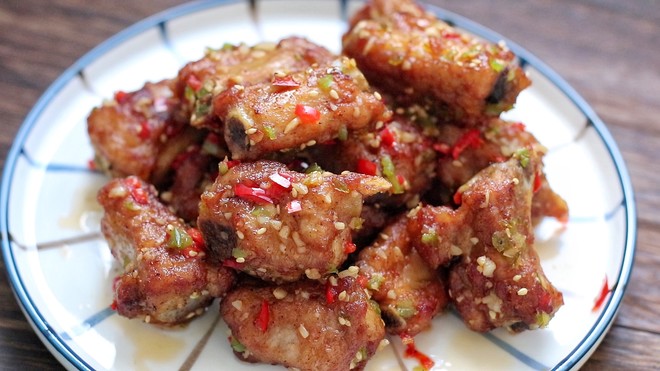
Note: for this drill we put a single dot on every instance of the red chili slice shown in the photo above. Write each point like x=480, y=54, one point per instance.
x=349, y=247
x=197, y=237
x=293, y=207
x=472, y=138
x=458, y=198
x=138, y=193
x=537, y=182
x=330, y=293
x=604, y=291
x=121, y=96
x=194, y=82
x=264, y=316
x=307, y=114
x=387, y=137
x=279, y=179
x=145, y=130
x=412, y=352
x=367, y=167
x=253, y=194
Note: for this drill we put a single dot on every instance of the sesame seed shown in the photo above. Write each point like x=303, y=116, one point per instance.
x=333, y=281
x=377, y=95
x=297, y=240
x=240, y=234
x=147, y=318
x=240, y=260
x=250, y=131
x=118, y=192
x=406, y=65
x=312, y=274
x=314, y=93
x=383, y=343
x=276, y=224
x=340, y=226
x=279, y=293
x=291, y=125
x=237, y=304
x=474, y=240
x=351, y=271
x=515, y=181
x=344, y=322
x=356, y=112
x=517, y=278
x=333, y=107
x=284, y=232
x=228, y=216
x=523, y=291
x=391, y=294
x=343, y=296
x=261, y=230
x=303, y=331
x=333, y=93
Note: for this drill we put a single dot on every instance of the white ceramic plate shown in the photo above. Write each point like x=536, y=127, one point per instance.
x=61, y=270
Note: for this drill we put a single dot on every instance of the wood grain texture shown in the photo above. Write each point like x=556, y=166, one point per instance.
x=608, y=50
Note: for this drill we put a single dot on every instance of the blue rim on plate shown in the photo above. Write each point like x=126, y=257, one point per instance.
x=54, y=341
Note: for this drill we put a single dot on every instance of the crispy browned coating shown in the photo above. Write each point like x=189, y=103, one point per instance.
x=298, y=109
x=282, y=225
x=408, y=291
x=163, y=281
x=301, y=328
x=498, y=280
x=129, y=132
x=397, y=151
x=497, y=141
x=411, y=54
x=199, y=81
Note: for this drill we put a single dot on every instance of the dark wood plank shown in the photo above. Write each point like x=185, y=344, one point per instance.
x=606, y=49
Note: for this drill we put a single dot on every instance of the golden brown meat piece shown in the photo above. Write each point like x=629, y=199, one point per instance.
x=199, y=81
x=498, y=280
x=297, y=110
x=166, y=279
x=193, y=170
x=465, y=152
x=304, y=325
x=397, y=151
x=411, y=54
x=408, y=291
x=129, y=132
x=281, y=225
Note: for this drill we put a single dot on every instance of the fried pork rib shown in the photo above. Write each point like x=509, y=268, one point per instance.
x=498, y=280
x=298, y=109
x=166, y=279
x=398, y=151
x=139, y=133
x=200, y=81
x=304, y=325
x=408, y=291
x=281, y=225
x=411, y=54
x=468, y=151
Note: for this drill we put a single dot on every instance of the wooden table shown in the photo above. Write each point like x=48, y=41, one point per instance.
x=608, y=50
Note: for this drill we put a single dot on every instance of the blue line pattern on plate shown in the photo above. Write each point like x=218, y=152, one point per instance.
x=56, y=340
x=88, y=323
x=54, y=167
